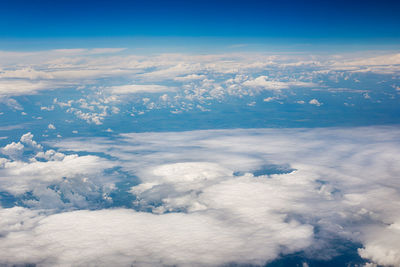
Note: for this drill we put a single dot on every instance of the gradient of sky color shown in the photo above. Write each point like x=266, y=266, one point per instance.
x=263, y=19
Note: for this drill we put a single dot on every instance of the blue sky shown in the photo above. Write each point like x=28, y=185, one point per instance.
x=354, y=20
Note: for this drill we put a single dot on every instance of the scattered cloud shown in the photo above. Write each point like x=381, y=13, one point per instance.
x=95, y=83
x=192, y=198
x=270, y=98
x=315, y=102
x=51, y=127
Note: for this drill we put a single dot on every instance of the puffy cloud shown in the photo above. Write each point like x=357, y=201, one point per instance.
x=192, y=80
x=123, y=237
x=50, y=155
x=51, y=108
x=315, y=102
x=13, y=150
x=242, y=196
x=53, y=179
x=341, y=181
x=381, y=244
x=269, y=99
x=89, y=117
x=20, y=177
x=51, y=126
x=28, y=140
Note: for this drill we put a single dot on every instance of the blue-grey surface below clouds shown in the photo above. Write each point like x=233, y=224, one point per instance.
x=203, y=198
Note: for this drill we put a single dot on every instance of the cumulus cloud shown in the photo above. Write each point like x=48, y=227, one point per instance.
x=13, y=150
x=192, y=80
x=381, y=244
x=270, y=98
x=28, y=140
x=315, y=102
x=53, y=179
x=202, y=194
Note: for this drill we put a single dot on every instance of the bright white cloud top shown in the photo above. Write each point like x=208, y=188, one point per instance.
x=205, y=198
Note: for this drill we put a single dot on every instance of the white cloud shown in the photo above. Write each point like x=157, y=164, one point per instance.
x=164, y=97
x=342, y=182
x=36, y=170
x=50, y=155
x=22, y=87
x=139, y=88
x=89, y=117
x=122, y=237
x=367, y=96
x=13, y=150
x=190, y=77
x=20, y=177
x=114, y=72
x=51, y=108
x=315, y=102
x=199, y=189
x=382, y=64
x=391, y=59
x=27, y=73
x=382, y=248
x=269, y=99
x=266, y=84
x=28, y=140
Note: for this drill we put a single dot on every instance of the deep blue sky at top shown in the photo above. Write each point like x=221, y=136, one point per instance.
x=280, y=19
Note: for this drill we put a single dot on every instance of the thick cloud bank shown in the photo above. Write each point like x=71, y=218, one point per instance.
x=203, y=197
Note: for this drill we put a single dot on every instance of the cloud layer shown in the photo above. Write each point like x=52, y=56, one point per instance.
x=204, y=197
x=92, y=84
